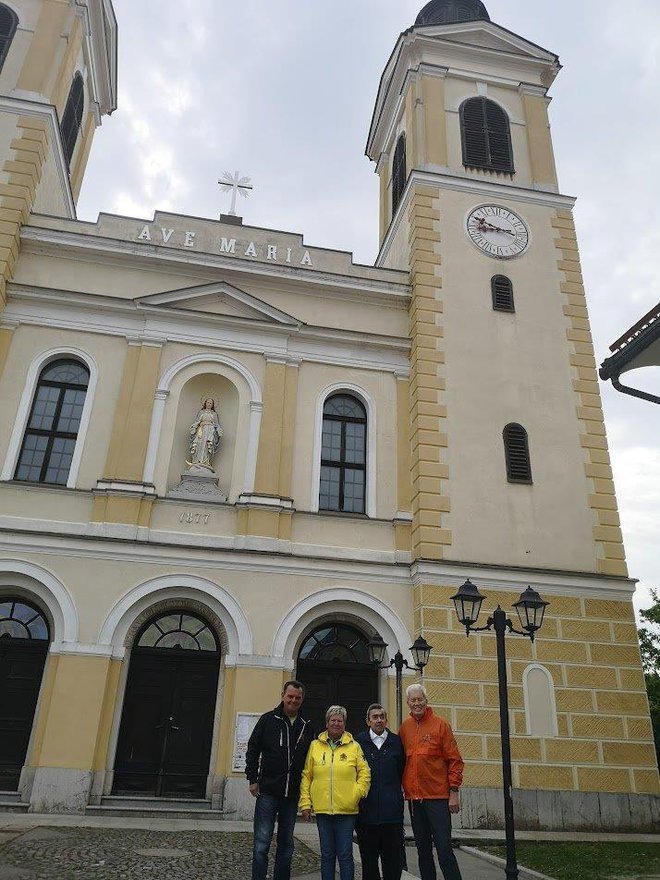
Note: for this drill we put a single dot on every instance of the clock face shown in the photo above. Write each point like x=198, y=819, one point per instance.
x=498, y=232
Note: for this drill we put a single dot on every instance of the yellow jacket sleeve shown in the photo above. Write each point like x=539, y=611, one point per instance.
x=305, y=801
x=363, y=774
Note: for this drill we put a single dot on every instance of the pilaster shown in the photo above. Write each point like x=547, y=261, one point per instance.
x=6, y=336
x=433, y=96
x=267, y=511
x=608, y=539
x=37, y=69
x=428, y=411
x=539, y=138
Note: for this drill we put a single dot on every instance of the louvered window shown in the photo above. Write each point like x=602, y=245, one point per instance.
x=73, y=116
x=486, y=135
x=8, y=25
x=516, y=451
x=399, y=173
x=502, y=290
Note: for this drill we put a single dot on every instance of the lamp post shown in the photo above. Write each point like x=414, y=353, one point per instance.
x=421, y=652
x=531, y=610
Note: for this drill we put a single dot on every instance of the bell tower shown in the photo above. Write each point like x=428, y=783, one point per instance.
x=58, y=77
x=511, y=482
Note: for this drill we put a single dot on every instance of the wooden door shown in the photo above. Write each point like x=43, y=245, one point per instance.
x=21, y=670
x=167, y=724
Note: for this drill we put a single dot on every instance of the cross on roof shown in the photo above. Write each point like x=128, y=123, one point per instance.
x=235, y=184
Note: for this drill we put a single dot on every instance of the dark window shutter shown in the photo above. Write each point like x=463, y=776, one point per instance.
x=486, y=136
x=502, y=290
x=73, y=116
x=8, y=25
x=516, y=451
x=399, y=173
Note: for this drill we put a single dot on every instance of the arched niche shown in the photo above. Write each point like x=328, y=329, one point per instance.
x=225, y=394
x=179, y=399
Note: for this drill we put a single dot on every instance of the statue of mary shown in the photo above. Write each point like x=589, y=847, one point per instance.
x=205, y=434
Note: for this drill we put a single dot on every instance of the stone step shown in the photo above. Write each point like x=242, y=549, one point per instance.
x=10, y=802
x=150, y=807
x=161, y=812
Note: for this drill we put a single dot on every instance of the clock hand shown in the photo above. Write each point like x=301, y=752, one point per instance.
x=489, y=227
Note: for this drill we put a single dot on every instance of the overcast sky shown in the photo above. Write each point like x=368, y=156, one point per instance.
x=284, y=92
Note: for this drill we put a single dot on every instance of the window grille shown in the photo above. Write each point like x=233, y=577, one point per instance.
x=178, y=631
x=343, y=455
x=19, y=620
x=502, y=290
x=516, y=451
x=52, y=428
x=486, y=136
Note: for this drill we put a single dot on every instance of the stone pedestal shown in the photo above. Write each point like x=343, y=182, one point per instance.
x=198, y=484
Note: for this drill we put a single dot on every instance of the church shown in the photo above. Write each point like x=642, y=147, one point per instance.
x=228, y=458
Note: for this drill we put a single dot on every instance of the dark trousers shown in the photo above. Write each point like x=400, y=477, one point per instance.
x=384, y=842
x=268, y=809
x=431, y=824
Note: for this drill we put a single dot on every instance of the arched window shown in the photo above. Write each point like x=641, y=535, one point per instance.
x=343, y=455
x=52, y=428
x=179, y=631
x=19, y=620
x=399, y=172
x=516, y=451
x=502, y=291
x=336, y=643
x=73, y=116
x=8, y=25
x=486, y=136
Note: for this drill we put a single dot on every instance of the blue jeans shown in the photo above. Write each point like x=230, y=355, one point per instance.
x=336, y=839
x=431, y=824
x=267, y=809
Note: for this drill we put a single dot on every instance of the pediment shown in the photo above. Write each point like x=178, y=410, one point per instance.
x=490, y=36
x=221, y=299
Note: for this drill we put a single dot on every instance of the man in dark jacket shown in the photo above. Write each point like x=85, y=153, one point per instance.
x=380, y=823
x=275, y=758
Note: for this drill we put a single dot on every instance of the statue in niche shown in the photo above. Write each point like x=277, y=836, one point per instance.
x=205, y=434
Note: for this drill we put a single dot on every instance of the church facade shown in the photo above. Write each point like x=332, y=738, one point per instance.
x=228, y=459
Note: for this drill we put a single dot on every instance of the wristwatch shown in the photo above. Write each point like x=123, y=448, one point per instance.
x=453, y=789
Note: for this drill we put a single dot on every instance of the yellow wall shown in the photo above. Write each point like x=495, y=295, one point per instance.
x=72, y=713
x=590, y=647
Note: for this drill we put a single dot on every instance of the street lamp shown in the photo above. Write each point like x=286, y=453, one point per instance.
x=421, y=652
x=531, y=611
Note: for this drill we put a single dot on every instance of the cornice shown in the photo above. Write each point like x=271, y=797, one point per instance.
x=94, y=248
x=102, y=50
x=22, y=107
x=472, y=186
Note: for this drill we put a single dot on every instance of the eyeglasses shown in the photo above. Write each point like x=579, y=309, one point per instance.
x=417, y=702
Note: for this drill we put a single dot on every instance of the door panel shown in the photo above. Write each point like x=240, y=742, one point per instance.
x=352, y=685
x=21, y=670
x=167, y=724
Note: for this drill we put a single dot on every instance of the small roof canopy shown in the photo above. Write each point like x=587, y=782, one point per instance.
x=638, y=347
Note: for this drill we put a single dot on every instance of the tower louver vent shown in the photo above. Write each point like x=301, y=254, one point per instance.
x=502, y=290
x=516, y=450
x=486, y=136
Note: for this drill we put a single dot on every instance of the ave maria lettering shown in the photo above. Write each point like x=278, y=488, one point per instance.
x=224, y=245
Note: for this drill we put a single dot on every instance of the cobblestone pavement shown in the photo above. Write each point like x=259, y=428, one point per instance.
x=119, y=854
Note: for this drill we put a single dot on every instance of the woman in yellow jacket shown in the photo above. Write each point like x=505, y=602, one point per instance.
x=335, y=778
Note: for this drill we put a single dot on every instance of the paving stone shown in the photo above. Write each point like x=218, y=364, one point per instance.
x=123, y=854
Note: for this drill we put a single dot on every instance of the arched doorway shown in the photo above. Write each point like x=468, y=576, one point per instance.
x=24, y=641
x=166, y=730
x=333, y=664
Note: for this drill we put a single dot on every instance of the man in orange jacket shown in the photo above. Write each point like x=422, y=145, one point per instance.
x=431, y=782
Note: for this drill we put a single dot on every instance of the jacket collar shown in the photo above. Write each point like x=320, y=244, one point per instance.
x=425, y=717
x=346, y=738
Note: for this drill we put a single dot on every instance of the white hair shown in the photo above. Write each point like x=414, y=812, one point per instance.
x=417, y=689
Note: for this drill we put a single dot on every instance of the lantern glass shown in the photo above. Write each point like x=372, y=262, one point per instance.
x=421, y=652
x=467, y=603
x=377, y=649
x=531, y=610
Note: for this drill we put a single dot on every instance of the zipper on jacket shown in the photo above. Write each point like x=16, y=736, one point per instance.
x=288, y=758
x=332, y=781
